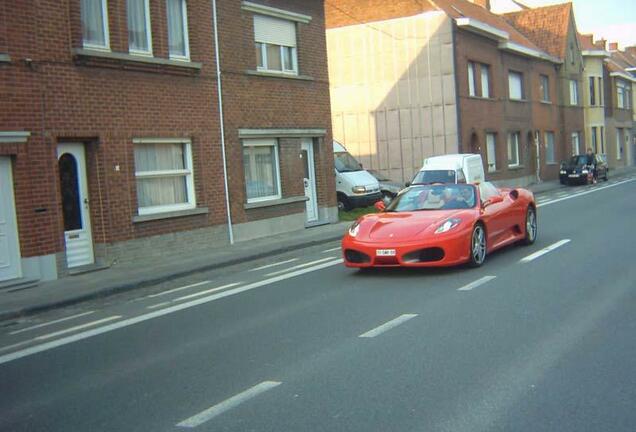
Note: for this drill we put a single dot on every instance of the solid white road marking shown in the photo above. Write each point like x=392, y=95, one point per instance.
x=158, y=305
x=332, y=249
x=155, y=314
x=228, y=404
x=79, y=327
x=584, y=193
x=300, y=266
x=48, y=323
x=387, y=326
x=475, y=284
x=15, y=345
x=210, y=291
x=274, y=265
x=194, y=285
x=544, y=251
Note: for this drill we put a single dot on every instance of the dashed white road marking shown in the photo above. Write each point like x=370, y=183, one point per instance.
x=332, y=249
x=48, y=323
x=210, y=291
x=228, y=404
x=584, y=193
x=300, y=266
x=544, y=251
x=475, y=284
x=274, y=264
x=194, y=285
x=79, y=327
x=158, y=313
x=387, y=326
x=158, y=305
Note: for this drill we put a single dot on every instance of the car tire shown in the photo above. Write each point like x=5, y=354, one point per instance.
x=343, y=202
x=532, y=227
x=477, y=246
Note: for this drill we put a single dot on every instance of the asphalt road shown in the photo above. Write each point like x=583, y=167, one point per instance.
x=528, y=342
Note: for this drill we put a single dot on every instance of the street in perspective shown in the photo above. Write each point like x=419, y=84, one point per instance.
x=317, y=215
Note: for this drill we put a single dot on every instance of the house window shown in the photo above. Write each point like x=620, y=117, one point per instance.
x=594, y=139
x=275, y=41
x=262, y=175
x=485, y=81
x=602, y=139
x=575, y=143
x=592, y=91
x=95, y=24
x=601, y=95
x=513, y=149
x=620, y=94
x=139, y=38
x=574, y=92
x=178, y=43
x=549, y=148
x=491, y=151
x=163, y=170
x=619, y=143
x=471, y=79
x=544, y=86
x=515, y=85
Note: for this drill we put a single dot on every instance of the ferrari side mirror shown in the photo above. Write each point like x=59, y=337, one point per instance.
x=380, y=206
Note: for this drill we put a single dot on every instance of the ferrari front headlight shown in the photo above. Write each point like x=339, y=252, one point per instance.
x=448, y=225
x=354, y=228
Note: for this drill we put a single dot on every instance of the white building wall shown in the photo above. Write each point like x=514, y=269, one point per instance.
x=393, y=98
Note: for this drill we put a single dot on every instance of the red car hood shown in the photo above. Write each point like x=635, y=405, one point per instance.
x=405, y=225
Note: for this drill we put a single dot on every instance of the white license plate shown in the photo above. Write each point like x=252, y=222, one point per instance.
x=573, y=175
x=385, y=252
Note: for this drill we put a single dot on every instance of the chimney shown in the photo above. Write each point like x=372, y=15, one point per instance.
x=588, y=39
x=483, y=3
x=601, y=44
x=631, y=50
x=613, y=46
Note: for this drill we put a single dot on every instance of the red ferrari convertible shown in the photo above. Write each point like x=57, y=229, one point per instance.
x=441, y=225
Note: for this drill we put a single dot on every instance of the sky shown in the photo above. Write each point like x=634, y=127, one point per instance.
x=614, y=20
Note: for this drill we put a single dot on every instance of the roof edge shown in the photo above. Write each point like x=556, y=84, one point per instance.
x=528, y=52
x=481, y=28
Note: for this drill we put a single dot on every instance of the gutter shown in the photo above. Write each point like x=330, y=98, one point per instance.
x=217, y=60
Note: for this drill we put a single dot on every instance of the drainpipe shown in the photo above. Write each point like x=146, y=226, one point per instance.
x=217, y=60
x=538, y=147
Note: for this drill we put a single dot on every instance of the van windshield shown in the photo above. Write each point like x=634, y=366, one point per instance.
x=434, y=176
x=344, y=162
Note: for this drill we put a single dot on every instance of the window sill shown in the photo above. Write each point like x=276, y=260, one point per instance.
x=518, y=100
x=551, y=163
x=4, y=58
x=482, y=98
x=544, y=102
x=516, y=168
x=279, y=75
x=107, y=59
x=170, y=215
x=275, y=202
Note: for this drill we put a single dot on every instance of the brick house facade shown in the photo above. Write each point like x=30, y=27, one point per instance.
x=131, y=100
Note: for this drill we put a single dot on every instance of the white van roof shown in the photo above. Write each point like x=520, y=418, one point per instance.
x=452, y=161
x=338, y=148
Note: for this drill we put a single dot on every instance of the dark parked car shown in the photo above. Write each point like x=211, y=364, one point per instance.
x=388, y=187
x=576, y=169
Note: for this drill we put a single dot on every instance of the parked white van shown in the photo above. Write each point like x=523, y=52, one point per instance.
x=355, y=187
x=453, y=168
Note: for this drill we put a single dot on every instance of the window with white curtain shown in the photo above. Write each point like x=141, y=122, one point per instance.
x=94, y=15
x=485, y=80
x=575, y=143
x=574, y=92
x=513, y=149
x=163, y=170
x=549, y=147
x=471, y=79
x=178, y=43
x=544, y=87
x=275, y=42
x=491, y=151
x=262, y=174
x=515, y=85
x=621, y=95
x=139, y=34
x=619, y=143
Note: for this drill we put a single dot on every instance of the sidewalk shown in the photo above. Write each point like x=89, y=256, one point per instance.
x=129, y=276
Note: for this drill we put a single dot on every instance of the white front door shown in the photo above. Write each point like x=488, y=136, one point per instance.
x=75, y=208
x=309, y=179
x=9, y=244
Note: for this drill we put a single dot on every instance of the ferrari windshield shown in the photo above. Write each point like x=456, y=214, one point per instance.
x=434, y=197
